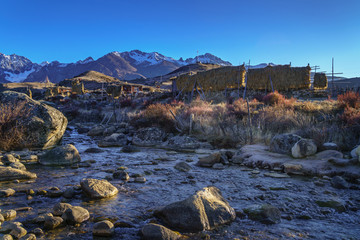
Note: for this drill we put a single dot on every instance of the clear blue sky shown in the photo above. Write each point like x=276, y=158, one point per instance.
x=297, y=31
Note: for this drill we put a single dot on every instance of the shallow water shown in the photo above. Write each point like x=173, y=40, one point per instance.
x=136, y=201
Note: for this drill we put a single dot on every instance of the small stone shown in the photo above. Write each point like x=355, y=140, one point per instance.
x=130, y=149
x=18, y=232
x=182, y=167
x=69, y=193
x=218, y=166
x=276, y=175
x=210, y=160
x=156, y=231
x=103, y=229
x=60, y=208
x=122, y=175
x=52, y=222
x=7, y=237
x=38, y=232
x=7, y=192
x=339, y=182
x=29, y=236
x=41, y=218
x=75, y=215
x=95, y=188
x=140, y=180
x=8, y=214
x=18, y=165
x=338, y=205
x=94, y=150
x=265, y=213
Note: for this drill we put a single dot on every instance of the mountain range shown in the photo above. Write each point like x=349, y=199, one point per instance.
x=122, y=65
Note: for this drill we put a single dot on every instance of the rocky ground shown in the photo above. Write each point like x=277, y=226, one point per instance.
x=268, y=203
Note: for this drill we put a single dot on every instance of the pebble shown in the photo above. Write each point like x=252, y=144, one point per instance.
x=140, y=180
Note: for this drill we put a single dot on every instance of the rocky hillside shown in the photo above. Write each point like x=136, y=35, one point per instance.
x=122, y=65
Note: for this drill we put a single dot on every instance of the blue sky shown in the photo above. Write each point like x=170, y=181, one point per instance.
x=297, y=31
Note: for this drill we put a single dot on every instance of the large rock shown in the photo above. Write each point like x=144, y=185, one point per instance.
x=154, y=231
x=114, y=140
x=61, y=155
x=265, y=213
x=204, y=210
x=149, y=137
x=95, y=188
x=9, y=174
x=304, y=148
x=43, y=126
x=75, y=215
x=283, y=143
x=355, y=153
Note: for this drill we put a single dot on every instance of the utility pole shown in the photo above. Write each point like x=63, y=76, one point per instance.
x=246, y=79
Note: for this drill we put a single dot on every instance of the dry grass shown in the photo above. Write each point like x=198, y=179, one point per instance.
x=228, y=124
x=11, y=130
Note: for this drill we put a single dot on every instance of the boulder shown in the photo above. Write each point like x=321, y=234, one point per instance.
x=61, y=155
x=264, y=213
x=9, y=174
x=114, y=140
x=210, y=160
x=204, y=210
x=154, y=231
x=283, y=143
x=103, y=229
x=149, y=137
x=96, y=189
x=42, y=126
x=75, y=215
x=304, y=148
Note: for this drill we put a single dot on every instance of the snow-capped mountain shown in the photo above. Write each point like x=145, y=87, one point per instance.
x=130, y=65
x=15, y=68
x=207, y=58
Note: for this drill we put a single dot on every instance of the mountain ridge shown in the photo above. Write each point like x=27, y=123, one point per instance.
x=127, y=65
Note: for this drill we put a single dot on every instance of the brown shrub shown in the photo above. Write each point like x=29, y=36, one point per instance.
x=11, y=129
x=351, y=116
x=274, y=98
x=157, y=115
x=349, y=99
